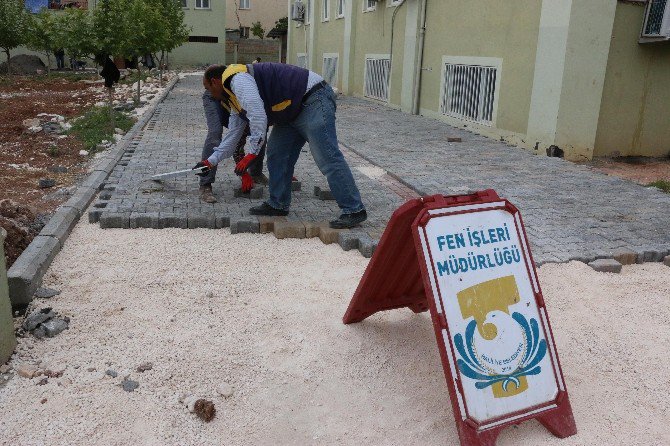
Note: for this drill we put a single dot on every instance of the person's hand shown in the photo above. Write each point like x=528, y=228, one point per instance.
x=207, y=167
x=247, y=182
x=241, y=167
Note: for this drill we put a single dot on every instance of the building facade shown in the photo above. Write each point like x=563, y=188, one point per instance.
x=242, y=14
x=207, y=42
x=576, y=74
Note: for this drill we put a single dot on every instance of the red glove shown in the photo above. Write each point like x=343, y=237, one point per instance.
x=241, y=167
x=207, y=167
x=247, y=182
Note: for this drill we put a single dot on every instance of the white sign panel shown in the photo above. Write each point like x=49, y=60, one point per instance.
x=496, y=334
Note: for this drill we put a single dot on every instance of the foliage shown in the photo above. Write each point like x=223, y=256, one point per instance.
x=174, y=31
x=93, y=127
x=282, y=24
x=45, y=34
x=78, y=39
x=14, y=20
x=257, y=30
x=661, y=184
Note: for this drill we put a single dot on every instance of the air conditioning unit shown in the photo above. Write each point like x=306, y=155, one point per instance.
x=656, y=26
x=298, y=11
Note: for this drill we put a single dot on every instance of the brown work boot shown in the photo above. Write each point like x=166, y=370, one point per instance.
x=206, y=194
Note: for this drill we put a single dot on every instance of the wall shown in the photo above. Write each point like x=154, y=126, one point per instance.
x=7, y=339
x=265, y=11
x=635, y=108
x=205, y=22
x=246, y=50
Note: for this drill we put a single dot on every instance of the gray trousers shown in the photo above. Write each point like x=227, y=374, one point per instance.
x=216, y=117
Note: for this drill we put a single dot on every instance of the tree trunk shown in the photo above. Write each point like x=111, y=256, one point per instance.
x=9, y=67
x=110, y=99
x=139, y=82
x=48, y=64
x=161, y=67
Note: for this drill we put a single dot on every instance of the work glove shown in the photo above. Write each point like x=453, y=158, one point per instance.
x=242, y=166
x=247, y=182
x=207, y=167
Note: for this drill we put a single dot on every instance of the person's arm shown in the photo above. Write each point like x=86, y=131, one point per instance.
x=245, y=89
x=227, y=147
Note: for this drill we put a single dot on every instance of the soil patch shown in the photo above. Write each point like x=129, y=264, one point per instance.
x=641, y=170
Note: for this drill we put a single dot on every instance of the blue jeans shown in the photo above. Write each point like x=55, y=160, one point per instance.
x=316, y=125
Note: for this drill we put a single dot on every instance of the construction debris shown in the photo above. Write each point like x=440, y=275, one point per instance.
x=45, y=323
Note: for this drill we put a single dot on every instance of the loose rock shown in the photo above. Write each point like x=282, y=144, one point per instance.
x=46, y=183
x=46, y=293
x=225, y=390
x=129, y=385
x=606, y=266
x=111, y=373
x=37, y=317
x=205, y=410
x=27, y=371
x=83, y=153
x=144, y=367
x=54, y=326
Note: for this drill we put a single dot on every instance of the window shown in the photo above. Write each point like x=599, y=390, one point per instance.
x=301, y=60
x=203, y=39
x=201, y=4
x=340, y=8
x=394, y=2
x=245, y=4
x=184, y=3
x=308, y=11
x=369, y=5
x=329, y=72
x=376, y=77
x=244, y=32
x=325, y=12
x=469, y=92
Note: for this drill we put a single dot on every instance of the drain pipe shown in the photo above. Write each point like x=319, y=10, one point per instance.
x=419, y=65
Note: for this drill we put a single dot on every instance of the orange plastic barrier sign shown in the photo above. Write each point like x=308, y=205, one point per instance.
x=466, y=259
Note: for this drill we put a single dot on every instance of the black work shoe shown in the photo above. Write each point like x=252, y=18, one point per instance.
x=349, y=220
x=266, y=209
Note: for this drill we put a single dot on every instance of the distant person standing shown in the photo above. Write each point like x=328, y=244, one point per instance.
x=60, y=58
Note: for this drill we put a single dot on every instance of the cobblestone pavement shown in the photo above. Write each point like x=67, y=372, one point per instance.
x=570, y=211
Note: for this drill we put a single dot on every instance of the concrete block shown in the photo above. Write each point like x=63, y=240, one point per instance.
x=94, y=215
x=244, y=224
x=329, y=235
x=367, y=246
x=222, y=222
x=81, y=199
x=61, y=223
x=625, y=256
x=95, y=179
x=454, y=139
x=145, y=220
x=666, y=261
x=312, y=229
x=296, y=186
x=7, y=337
x=323, y=194
x=651, y=256
x=202, y=221
x=267, y=224
x=171, y=220
x=25, y=275
x=606, y=266
x=289, y=229
x=348, y=240
x=115, y=220
x=255, y=193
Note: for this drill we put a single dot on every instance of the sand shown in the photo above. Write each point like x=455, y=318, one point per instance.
x=263, y=317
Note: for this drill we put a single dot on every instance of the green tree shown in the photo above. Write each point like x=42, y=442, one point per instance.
x=78, y=36
x=174, y=31
x=14, y=20
x=44, y=35
x=282, y=24
x=257, y=30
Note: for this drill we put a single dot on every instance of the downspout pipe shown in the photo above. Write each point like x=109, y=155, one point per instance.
x=419, y=65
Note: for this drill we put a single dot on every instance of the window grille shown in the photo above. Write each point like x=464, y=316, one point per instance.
x=330, y=68
x=469, y=92
x=377, y=78
x=301, y=60
x=655, y=14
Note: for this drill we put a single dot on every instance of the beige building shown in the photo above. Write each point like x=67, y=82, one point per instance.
x=242, y=14
x=587, y=76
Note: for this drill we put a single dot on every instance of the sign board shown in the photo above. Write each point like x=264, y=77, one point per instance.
x=466, y=259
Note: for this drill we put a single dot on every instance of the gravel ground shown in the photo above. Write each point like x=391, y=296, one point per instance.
x=264, y=317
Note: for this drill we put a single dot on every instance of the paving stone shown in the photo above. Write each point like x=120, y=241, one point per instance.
x=666, y=261
x=145, y=220
x=329, y=235
x=95, y=179
x=25, y=275
x=266, y=224
x=244, y=224
x=171, y=220
x=289, y=229
x=296, y=186
x=625, y=256
x=606, y=266
x=323, y=193
x=312, y=229
x=349, y=240
x=61, y=223
x=367, y=246
x=255, y=193
x=454, y=139
x=201, y=221
x=115, y=220
x=94, y=215
x=222, y=222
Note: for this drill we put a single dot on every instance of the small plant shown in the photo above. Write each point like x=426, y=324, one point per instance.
x=93, y=127
x=257, y=30
x=52, y=151
x=661, y=184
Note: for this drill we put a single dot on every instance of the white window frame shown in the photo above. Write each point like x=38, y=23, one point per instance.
x=339, y=14
x=325, y=10
x=247, y=3
x=332, y=82
x=184, y=4
x=492, y=62
x=365, y=74
x=392, y=3
x=202, y=2
x=369, y=5
x=308, y=11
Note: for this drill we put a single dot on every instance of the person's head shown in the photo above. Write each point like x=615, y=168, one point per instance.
x=258, y=59
x=212, y=81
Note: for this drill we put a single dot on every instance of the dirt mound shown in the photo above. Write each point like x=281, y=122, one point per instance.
x=21, y=224
x=24, y=64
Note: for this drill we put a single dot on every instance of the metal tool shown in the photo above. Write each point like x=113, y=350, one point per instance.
x=177, y=173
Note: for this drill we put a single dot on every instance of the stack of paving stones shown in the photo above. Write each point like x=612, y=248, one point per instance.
x=173, y=139
x=570, y=211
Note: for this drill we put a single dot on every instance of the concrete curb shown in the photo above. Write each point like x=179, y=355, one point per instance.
x=25, y=275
